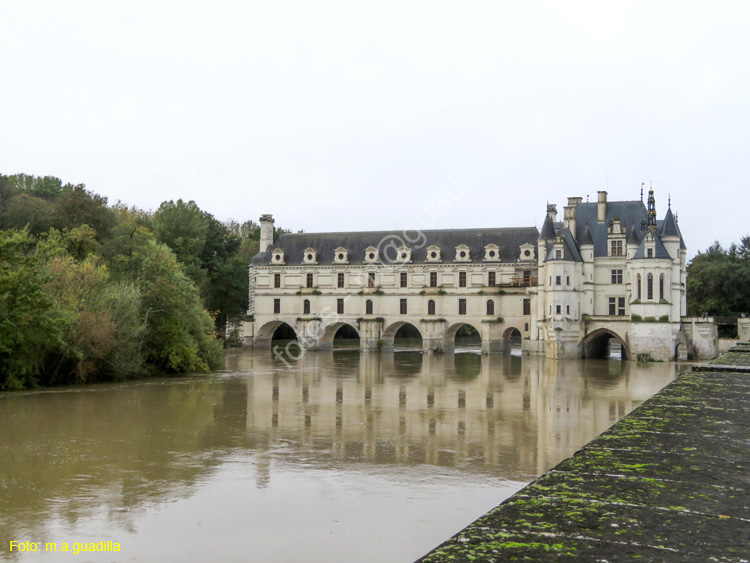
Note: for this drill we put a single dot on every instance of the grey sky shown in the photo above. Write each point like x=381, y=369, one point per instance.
x=352, y=116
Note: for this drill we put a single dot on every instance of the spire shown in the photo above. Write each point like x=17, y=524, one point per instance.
x=642, y=184
x=586, y=238
x=634, y=238
x=669, y=225
x=548, y=229
x=651, y=210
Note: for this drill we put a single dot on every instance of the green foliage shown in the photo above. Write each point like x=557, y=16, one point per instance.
x=718, y=279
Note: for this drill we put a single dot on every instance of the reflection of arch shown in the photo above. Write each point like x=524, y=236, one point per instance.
x=389, y=334
x=466, y=367
x=267, y=331
x=329, y=333
x=596, y=344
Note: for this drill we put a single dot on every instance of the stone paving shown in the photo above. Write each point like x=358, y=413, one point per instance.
x=669, y=482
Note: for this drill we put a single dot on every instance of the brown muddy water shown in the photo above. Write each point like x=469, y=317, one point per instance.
x=336, y=456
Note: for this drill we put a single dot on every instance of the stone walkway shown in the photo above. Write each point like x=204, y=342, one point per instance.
x=669, y=482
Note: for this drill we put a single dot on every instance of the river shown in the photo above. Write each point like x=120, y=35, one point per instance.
x=334, y=456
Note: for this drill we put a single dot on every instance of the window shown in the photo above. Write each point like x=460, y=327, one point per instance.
x=370, y=279
x=461, y=279
x=340, y=306
x=558, y=254
x=527, y=306
x=306, y=307
x=462, y=306
x=621, y=306
x=567, y=280
x=567, y=309
x=638, y=285
x=490, y=307
x=433, y=279
x=558, y=309
x=650, y=253
x=430, y=307
x=404, y=279
x=277, y=306
x=650, y=287
x=613, y=305
x=309, y=280
x=491, y=279
x=661, y=286
x=615, y=248
x=277, y=280
x=368, y=307
x=402, y=306
x=558, y=280
x=341, y=279
x=616, y=276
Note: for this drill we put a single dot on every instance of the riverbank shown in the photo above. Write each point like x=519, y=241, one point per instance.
x=669, y=482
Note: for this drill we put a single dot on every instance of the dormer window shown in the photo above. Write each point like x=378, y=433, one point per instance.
x=403, y=255
x=277, y=256
x=526, y=252
x=341, y=255
x=491, y=253
x=310, y=257
x=558, y=254
x=433, y=254
x=463, y=254
x=372, y=255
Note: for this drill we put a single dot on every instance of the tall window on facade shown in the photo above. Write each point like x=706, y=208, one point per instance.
x=461, y=279
x=615, y=247
x=404, y=279
x=433, y=279
x=277, y=280
x=309, y=280
x=650, y=253
x=638, y=285
x=616, y=276
x=649, y=287
x=340, y=306
x=306, y=307
x=462, y=306
x=621, y=306
x=490, y=307
x=370, y=279
x=368, y=307
x=558, y=254
x=567, y=280
x=527, y=306
x=558, y=280
x=277, y=306
x=558, y=309
x=491, y=279
x=661, y=286
x=430, y=307
x=402, y=306
x=341, y=279
x=613, y=305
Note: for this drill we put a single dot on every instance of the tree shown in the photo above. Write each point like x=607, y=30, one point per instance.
x=718, y=280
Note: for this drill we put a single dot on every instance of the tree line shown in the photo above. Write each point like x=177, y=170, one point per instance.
x=94, y=292
x=718, y=281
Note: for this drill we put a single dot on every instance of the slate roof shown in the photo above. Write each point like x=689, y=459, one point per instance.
x=659, y=250
x=548, y=229
x=634, y=238
x=570, y=249
x=508, y=240
x=629, y=212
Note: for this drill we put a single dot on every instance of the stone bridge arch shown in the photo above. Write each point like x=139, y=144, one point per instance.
x=265, y=333
x=325, y=342
x=449, y=337
x=389, y=332
x=596, y=344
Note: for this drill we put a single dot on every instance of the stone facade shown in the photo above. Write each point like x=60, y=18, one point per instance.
x=608, y=271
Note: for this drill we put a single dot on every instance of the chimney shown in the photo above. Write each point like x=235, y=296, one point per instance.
x=552, y=211
x=601, y=207
x=570, y=214
x=266, y=231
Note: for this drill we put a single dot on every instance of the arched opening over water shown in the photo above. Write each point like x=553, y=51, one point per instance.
x=512, y=339
x=340, y=336
x=275, y=333
x=402, y=336
x=463, y=337
x=605, y=344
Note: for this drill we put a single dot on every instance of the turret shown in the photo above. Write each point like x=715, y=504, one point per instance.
x=266, y=231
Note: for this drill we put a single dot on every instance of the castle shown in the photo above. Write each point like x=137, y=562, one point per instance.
x=608, y=271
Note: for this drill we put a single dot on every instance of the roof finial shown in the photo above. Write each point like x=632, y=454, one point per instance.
x=669, y=201
x=642, y=184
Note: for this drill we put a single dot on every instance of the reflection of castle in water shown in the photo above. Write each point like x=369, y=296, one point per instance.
x=503, y=414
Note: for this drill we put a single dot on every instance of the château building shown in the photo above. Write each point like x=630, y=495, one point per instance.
x=608, y=271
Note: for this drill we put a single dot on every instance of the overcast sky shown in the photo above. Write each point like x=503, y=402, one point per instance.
x=354, y=116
